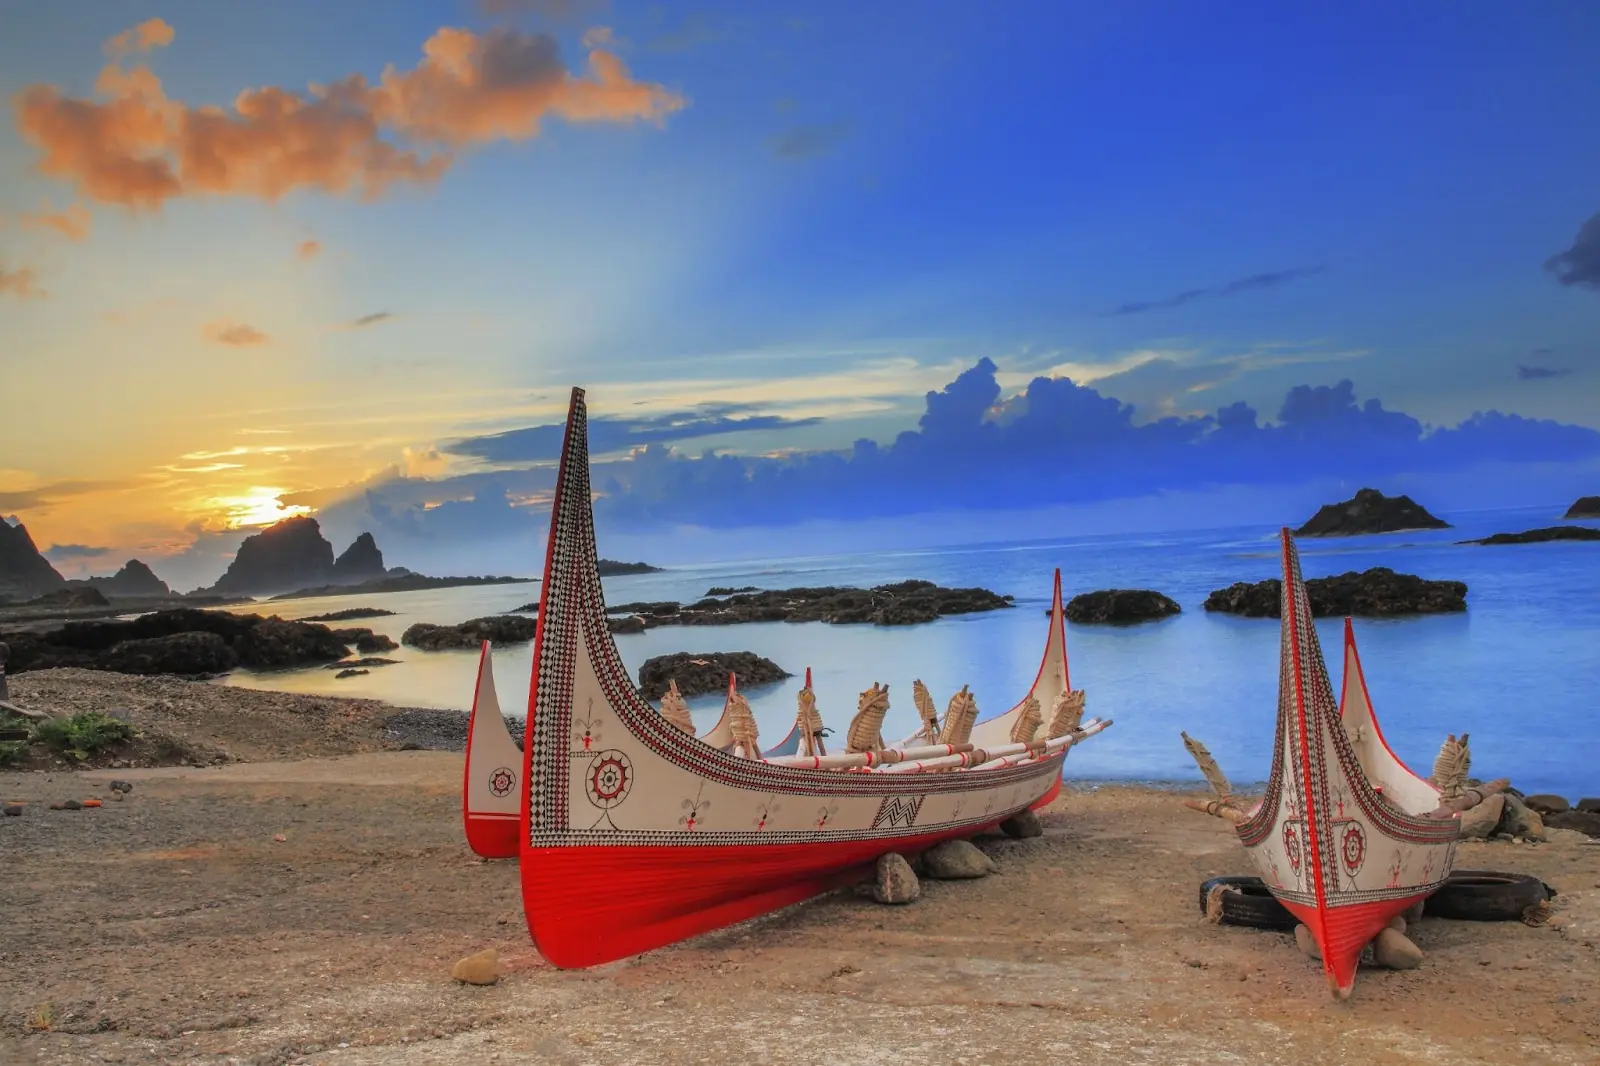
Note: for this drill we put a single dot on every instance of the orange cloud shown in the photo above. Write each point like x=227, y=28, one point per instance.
x=235, y=335
x=151, y=33
x=309, y=249
x=74, y=223
x=20, y=283
x=136, y=148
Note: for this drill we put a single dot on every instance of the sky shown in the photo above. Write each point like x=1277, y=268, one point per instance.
x=823, y=268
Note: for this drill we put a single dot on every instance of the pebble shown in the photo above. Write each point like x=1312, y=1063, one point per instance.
x=956, y=860
x=482, y=968
x=895, y=883
x=14, y=810
x=1021, y=825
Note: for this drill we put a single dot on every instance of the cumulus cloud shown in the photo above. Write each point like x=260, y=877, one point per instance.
x=543, y=443
x=74, y=223
x=151, y=33
x=234, y=334
x=1270, y=279
x=22, y=283
x=137, y=148
x=1580, y=264
x=308, y=250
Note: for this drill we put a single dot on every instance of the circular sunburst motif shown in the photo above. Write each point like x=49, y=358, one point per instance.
x=502, y=781
x=609, y=779
x=1355, y=847
x=1291, y=846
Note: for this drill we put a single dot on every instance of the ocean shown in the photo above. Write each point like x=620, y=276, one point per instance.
x=1519, y=670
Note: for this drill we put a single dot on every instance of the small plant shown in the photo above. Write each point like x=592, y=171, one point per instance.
x=12, y=752
x=43, y=1020
x=83, y=734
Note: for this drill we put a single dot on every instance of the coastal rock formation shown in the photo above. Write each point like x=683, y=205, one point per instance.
x=1585, y=507
x=698, y=673
x=1378, y=592
x=612, y=568
x=135, y=581
x=289, y=554
x=184, y=641
x=70, y=598
x=1540, y=536
x=399, y=579
x=362, y=561
x=497, y=629
x=1369, y=511
x=348, y=614
x=24, y=573
x=728, y=590
x=1119, y=607
x=900, y=604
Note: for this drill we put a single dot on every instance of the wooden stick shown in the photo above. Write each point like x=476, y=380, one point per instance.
x=1208, y=766
x=1451, y=805
x=846, y=760
x=1218, y=809
x=997, y=757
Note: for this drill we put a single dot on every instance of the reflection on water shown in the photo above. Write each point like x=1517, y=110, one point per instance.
x=1518, y=671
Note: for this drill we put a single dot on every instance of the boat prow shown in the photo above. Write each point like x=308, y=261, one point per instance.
x=490, y=796
x=648, y=835
x=1340, y=839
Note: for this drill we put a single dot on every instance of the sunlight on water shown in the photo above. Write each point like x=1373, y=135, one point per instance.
x=1518, y=670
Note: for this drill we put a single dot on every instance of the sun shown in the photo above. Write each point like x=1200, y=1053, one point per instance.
x=259, y=506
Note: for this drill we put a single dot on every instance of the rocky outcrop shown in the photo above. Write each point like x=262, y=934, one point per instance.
x=399, y=580
x=348, y=614
x=24, y=573
x=185, y=641
x=1378, y=592
x=362, y=561
x=497, y=629
x=612, y=568
x=729, y=590
x=1119, y=607
x=900, y=604
x=1540, y=536
x=290, y=554
x=698, y=673
x=1585, y=507
x=135, y=581
x=1369, y=511
x=70, y=598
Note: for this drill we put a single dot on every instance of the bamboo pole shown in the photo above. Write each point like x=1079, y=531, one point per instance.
x=848, y=760
x=1218, y=809
x=997, y=757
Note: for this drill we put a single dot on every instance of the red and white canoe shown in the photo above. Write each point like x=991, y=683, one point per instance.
x=491, y=802
x=1346, y=837
x=652, y=836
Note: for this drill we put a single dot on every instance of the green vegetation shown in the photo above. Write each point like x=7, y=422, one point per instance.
x=12, y=752
x=82, y=734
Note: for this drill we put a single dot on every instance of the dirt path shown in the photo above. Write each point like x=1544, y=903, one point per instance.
x=173, y=927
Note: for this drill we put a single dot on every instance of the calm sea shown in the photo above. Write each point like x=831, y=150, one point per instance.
x=1519, y=671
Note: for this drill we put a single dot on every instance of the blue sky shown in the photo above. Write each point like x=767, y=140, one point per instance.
x=850, y=206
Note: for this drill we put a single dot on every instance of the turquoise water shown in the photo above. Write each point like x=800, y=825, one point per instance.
x=1519, y=671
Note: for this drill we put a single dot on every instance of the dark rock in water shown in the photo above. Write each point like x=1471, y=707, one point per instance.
x=71, y=596
x=1378, y=592
x=725, y=590
x=1539, y=536
x=370, y=642
x=1585, y=507
x=527, y=608
x=698, y=673
x=1583, y=821
x=497, y=629
x=1119, y=607
x=903, y=603
x=349, y=673
x=362, y=561
x=135, y=581
x=183, y=654
x=288, y=554
x=365, y=661
x=348, y=614
x=24, y=572
x=1547, y=803
x=612, y=568
x=628, y=623
x=398, y=580
x=1369, y=511
x=254, y=641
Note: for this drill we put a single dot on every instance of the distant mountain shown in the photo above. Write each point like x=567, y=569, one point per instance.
x=293, y=554
x=612, y=568
x=24, y=573
x=1369, y=511
x=135, y=581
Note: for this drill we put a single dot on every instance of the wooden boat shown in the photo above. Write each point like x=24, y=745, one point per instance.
x=490, y=799
x=651, y=835
x=1345, y=837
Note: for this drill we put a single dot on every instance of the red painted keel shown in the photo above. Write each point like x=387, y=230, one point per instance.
x=1342, y=932
x=493, y=836
x=592, y=905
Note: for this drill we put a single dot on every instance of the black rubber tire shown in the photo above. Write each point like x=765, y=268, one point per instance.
x=1486, y=896
x=1250, y=904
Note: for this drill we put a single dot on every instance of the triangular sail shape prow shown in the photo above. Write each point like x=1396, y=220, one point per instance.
x=490, y=798
x=1052, y=680
x=1387, y=772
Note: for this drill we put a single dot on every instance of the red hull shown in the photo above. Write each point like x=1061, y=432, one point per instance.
x=592, y=905
x=1342, y=932
x=493, y=836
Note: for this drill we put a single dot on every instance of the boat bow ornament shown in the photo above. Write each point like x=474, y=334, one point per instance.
x=635, y=834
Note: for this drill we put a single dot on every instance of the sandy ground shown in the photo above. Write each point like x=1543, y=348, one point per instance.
x=175, y=927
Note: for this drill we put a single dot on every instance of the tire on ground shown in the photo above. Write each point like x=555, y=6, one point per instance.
x=1244, y=901
x=1487, y=896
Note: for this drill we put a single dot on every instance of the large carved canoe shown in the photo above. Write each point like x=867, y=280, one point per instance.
x=491, y=802
x=1346, y=836
x=635, y=834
